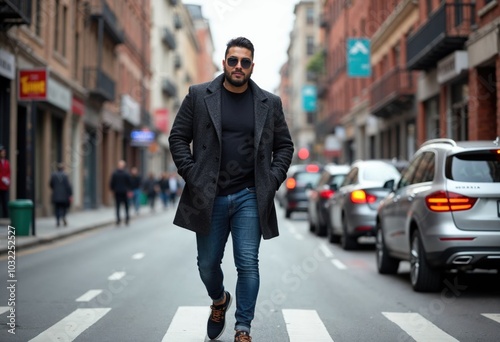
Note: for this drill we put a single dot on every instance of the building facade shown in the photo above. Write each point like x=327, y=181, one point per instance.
x=78, y=80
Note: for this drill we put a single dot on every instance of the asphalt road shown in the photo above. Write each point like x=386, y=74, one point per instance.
x=140, y=283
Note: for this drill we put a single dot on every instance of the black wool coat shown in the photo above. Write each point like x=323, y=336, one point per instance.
x=198, y=121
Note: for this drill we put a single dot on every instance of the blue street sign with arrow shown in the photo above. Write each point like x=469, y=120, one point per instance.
x=358, y=57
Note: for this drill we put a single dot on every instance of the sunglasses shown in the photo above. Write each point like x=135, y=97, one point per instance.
x=245, y=62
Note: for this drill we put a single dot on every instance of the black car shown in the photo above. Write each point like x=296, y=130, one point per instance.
x=330, y=180
x=292, y=194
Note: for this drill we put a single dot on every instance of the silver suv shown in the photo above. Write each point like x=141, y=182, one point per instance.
x=444, y=213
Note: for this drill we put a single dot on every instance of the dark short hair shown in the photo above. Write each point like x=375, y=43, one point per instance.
x=239, y=42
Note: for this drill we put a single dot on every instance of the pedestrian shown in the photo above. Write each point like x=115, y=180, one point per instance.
x=241, y=151
x=164, y=190
x=61, y=193
x=4, y=182
x=120, y=184
x=135, y=184
x=174, y=186
x=150, y=188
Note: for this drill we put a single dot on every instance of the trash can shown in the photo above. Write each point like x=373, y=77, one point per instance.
x=21, y=215
x=143, y=198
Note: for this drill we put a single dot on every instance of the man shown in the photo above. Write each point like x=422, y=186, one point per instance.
x=241, y=151
x=61, y=193
x=4, y=181
x=120, y=184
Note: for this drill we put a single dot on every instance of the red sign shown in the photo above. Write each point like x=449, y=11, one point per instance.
x=77, y=106
x=32, y=84
x=161, y=119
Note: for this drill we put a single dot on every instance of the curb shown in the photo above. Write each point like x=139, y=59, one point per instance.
x=32, y=241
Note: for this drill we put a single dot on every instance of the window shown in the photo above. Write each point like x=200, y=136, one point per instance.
x=425, y=170
x=56, y=26
x=310, y=16
x=474, y=166
x=37, y=17
x=63, y=29
x=310, y=46
x=409, y=173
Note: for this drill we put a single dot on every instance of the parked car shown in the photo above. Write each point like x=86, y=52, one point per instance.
x=293, y=192
x=353, y=208
x=444, y=213
x=331, y=178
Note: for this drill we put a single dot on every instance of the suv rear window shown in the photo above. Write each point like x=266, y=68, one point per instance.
x=305, y=178
x=474, y=167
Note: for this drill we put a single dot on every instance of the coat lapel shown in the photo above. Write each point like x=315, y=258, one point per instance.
x=213, y=103
x=261, y=110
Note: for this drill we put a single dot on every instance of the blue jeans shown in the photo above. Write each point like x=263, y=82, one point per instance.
x=236, y=214
x=136, y=198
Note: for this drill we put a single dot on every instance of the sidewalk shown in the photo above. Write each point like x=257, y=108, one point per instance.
x=79, y=221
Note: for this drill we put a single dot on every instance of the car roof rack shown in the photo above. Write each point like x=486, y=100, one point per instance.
x=440, y=141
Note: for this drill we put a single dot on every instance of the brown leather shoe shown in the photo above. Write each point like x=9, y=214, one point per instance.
x=242, y=336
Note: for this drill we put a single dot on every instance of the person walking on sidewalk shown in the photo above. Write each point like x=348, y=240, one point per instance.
x=150, y=188
x=135, y=184
x=174, y=186
x=163, y=189
x=120, y=184
x=241, y=152
x=61, y=193
x=4, y=182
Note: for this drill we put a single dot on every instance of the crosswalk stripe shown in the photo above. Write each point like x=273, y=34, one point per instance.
x=339, y=264
x=188, y=325
x=418, y=327
x=138, y=256
x=71, y=326
x=4, y=309
x=495, y=317
x=88, y=296
x=305, y=325
x=326, y=251
x=117, y=276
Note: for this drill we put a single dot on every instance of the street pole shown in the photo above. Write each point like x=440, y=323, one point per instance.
x=33, y=160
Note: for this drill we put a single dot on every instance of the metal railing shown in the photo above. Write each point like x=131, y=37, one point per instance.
x=99, y=84
x=391, y=87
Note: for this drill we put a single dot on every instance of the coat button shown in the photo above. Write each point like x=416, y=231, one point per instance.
x=213, y=181
x=204, y=147
x=216, y=159
x=208, y=124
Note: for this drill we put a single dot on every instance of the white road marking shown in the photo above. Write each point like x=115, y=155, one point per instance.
x=188, y=325
x=337, y=263
x=495, y=317
x=305, y=325
x=4, y=309
x=71, y=326
x=117, y=276
x=418, y=327
x=88, y=296
x=138, y=256
x=326, y=251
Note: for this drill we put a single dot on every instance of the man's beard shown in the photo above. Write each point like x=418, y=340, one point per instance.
x=236, y=83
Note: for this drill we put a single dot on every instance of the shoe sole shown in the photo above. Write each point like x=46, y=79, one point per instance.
x=224, y=327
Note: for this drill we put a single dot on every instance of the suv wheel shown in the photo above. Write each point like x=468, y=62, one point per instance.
x=423, y=277
x=385, y=263
x=348, y=242
x=288, y=213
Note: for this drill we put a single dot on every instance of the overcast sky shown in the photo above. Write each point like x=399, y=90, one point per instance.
x=267, y=23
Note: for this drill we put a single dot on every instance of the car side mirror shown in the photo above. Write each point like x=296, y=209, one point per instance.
x=334, y=187
x=389, y=184
x=309, y=186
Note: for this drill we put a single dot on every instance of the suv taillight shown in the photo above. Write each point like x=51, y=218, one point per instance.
x=291, y=183
x=441, y=201
x=326, y=194
x=362, y=197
